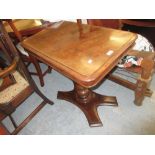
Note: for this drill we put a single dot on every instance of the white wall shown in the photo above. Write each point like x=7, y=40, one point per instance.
x=84, y=21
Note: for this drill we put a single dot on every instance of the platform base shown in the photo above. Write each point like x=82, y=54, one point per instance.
x=88, y=101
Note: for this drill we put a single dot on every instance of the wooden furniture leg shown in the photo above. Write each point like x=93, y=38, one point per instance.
x=39, y=72
x=143, y=81
x=88, y=101
x=49, y=69
x=145, y=71
x=128, y=84
x=34, y=86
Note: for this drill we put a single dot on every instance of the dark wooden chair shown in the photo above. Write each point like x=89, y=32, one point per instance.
x=139, y=22
x=13, y=95
x=145, y=27
x=145, y=71
x=21, y=28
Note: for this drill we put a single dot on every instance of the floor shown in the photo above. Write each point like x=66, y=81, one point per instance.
x=63, y=118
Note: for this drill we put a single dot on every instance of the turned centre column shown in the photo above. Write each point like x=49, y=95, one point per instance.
x=82, y=94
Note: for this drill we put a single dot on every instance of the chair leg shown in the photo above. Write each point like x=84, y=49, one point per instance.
x=27, y=65
x=33, y=84
x=29, y=118
x=143, y=82
x=13, y=122
x=140, y=92
x=49, y=69
x=148, y=92
x=7, y=109
x=3, y=129
x=38, y=69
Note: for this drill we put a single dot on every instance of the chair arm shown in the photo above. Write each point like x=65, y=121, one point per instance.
x=10, y=69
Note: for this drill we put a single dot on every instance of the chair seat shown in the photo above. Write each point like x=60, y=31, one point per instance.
x=23, y=24
x=10, y=92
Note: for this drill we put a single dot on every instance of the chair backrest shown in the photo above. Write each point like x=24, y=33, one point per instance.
x=139, y=22
x=111, y=23
x=15, y=30
x=9, y=49
x=6, y=44
x=21, y=28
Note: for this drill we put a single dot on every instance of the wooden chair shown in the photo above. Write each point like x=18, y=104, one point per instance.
x=145, y=27
x=20, y=29
x=13, y=95
x=139, y=22
x=145, y=71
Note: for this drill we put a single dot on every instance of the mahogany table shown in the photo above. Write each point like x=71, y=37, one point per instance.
x=84, y=54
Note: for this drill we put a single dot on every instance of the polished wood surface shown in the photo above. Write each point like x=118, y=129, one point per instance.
x=85, y=59
x=139, y=87
x=85, y=54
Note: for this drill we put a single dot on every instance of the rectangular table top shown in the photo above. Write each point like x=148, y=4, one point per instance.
x=85, y=58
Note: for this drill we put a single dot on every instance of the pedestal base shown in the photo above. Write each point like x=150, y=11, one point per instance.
x=88, y=101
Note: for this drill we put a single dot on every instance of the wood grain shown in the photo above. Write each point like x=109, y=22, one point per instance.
x=83, y=59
